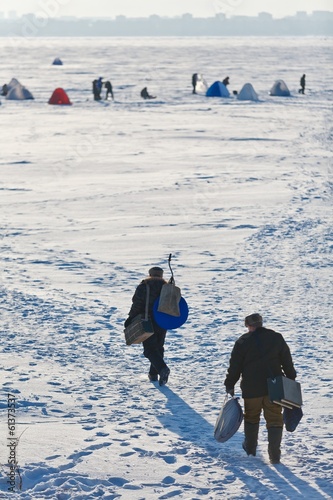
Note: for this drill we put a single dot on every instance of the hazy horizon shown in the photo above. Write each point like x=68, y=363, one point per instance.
x=172, y=8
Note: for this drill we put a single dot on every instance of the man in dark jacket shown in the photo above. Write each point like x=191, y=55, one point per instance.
x=153, y=347
x=109, y=90
x=194, y=82
x=302, y=84
x=257, y=355
x=145, y=94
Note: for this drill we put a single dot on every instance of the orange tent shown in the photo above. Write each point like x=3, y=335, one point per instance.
x=59, y=96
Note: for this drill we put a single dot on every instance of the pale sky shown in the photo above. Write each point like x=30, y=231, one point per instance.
x=170, y=8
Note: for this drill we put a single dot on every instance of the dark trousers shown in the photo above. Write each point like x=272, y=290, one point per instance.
x=153, y=349
x=272, y=412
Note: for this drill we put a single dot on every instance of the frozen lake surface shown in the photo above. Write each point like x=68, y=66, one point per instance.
x=92, y=195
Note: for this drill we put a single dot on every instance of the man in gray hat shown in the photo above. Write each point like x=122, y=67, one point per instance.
x=153, y=347
x=257, y=355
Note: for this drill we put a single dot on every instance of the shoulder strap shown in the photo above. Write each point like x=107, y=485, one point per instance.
x=147, y=302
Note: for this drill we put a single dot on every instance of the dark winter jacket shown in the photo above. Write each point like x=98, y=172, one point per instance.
x=139, y=299
x=256, y=356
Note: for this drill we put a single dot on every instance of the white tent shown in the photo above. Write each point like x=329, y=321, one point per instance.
x=201, y=85
x=248, y=93
x=13, y=82
x=280, y=89
x=19, y=93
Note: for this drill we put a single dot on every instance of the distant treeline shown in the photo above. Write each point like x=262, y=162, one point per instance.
x=319, y=23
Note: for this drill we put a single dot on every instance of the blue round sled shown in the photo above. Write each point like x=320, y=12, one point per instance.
x=167, y=321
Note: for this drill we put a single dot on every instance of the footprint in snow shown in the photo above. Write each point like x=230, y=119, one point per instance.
x=117, y=481
x=168, y=480
x=53, y=457
x=169, y=459
x=76, y=456
x=175, y=493
x=183, y=470
x=128, y=454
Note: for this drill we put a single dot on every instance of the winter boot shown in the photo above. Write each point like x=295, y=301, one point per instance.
x=251, y=438
x=274, y=442
x=164, y=375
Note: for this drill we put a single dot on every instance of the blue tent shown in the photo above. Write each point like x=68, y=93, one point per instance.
x=57, y=62
x=218, y=89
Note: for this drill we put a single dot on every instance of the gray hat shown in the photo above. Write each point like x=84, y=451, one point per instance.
x=253, y=320
x=156, y=272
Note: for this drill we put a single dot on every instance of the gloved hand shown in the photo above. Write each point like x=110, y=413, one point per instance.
x=231, y=391
x=127, y=322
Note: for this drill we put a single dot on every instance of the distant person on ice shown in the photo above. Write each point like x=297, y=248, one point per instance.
x=97, y=88
x=194, y=82
x=302, y=84
x=145, y=95
x=256, y=356
x=109, y=90
x=226, y=81
x=153, y=347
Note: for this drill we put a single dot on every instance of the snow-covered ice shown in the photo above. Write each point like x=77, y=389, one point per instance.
x=94, y=194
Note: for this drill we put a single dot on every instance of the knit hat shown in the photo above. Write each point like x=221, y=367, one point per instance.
x=253, y=320
x=156, y=272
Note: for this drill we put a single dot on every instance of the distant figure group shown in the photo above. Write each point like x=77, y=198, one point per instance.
x=197, y=84
x=200, y=85
x=145, y=94
x=219, y=88
x=97, y=89
x=302, y=84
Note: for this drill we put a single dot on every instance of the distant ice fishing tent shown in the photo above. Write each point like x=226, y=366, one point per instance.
x=59, y=97
x=280, y=89
x=57, y=62
x=13, y=82
x=248, y=93
x=218, y=89
x=17, y=92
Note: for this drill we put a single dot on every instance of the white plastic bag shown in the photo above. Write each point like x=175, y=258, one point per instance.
x=169, y=300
